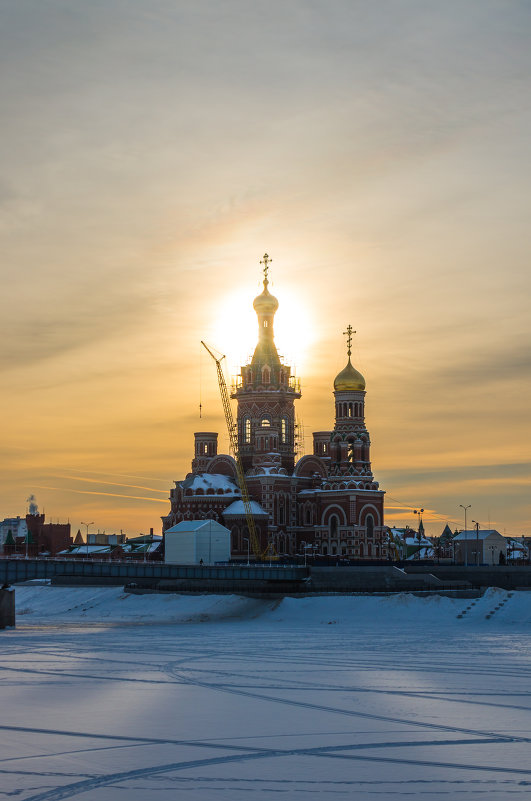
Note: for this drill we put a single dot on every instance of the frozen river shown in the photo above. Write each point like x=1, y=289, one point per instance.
x=107, y=696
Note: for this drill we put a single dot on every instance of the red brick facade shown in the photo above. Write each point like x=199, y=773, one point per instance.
x=327, y=503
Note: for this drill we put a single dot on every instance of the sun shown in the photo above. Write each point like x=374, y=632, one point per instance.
x=234, y=330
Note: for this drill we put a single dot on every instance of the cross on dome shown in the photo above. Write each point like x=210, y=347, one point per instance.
x=266, y=261
x=348, y=333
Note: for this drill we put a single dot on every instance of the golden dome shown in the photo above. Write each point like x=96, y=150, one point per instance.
x=349, y=380
x=266, y=303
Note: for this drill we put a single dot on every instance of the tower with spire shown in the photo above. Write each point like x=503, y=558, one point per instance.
x=265, y=392
x=327, y=503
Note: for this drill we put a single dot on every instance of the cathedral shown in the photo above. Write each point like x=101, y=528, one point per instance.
x=325, y=504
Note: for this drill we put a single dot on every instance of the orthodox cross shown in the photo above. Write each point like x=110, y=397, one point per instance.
x=266, y=261
x=348, y=333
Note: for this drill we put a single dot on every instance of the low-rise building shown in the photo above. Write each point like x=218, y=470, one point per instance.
x=480, y=547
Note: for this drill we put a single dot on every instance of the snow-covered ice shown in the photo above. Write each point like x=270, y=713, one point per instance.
x=107, y=696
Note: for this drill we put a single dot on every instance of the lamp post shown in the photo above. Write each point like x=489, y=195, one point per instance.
x=419, y=512
x=246, y=539
x=477, y=542
x=466, y=534
x=87, y=525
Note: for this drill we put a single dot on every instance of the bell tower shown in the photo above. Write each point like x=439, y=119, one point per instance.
x=350, y=447
x=265, y=391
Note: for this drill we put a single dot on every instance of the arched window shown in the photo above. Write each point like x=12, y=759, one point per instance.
x=333, y=525
x=266, y=422
x=350, y=410
x=350, y=451
x=247, y=431
x=266, y=375
x=283, y=430
x=369, y=523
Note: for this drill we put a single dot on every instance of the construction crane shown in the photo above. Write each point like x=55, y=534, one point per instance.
x=233, y=438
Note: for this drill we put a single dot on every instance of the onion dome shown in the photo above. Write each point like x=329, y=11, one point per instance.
x=349, y=380
x=266, y=303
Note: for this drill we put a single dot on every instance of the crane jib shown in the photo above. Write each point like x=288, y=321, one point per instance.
x=233, y=439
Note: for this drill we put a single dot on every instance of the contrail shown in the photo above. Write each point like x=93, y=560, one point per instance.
x=122, y=475
x=111, y=494
x=112, y=483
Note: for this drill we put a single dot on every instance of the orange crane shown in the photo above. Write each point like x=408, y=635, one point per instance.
x=233, y=438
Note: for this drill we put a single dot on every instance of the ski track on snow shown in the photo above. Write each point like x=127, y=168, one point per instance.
x=384, y=680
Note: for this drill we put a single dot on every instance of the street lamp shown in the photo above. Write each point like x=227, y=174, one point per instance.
x=477, y=542
x=87, y=525
x=466, y=533
x=419, y=512
x=246, y=539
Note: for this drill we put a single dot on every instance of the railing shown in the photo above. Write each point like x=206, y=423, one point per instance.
x=14, y=570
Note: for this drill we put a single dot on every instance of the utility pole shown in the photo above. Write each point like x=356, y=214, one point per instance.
x=477, y=542
x=466, y=533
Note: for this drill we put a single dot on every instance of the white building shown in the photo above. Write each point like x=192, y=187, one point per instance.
x=481, y=547
x=193, y=542
x=17, y=526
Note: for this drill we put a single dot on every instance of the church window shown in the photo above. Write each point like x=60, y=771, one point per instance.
x=369, y=523
x=205, y=448
x=350, y=410
x=350, y=451
x=283, y=429
x=333, y=526
x=266, y=375
x=265, y=323
x=266, y=422
x=247, y=431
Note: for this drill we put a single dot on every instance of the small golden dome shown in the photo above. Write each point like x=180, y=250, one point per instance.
x=266, y=303
x=349, y=380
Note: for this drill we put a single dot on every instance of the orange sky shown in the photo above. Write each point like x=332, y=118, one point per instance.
x=152, y=151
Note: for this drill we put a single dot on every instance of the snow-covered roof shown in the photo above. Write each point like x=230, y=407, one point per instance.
x=85, y=549
x=193, y=525
x=210, y=481
x=238, y=510
x=422, y=553
x=147, y=547
x=414, y=540
x=482, y=534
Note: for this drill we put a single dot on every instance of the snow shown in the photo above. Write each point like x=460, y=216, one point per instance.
x=107, y=695
x=472, y=534
x=210, y=481
x=237, y=508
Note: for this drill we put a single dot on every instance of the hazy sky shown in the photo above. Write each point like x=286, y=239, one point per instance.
x=152, y=150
